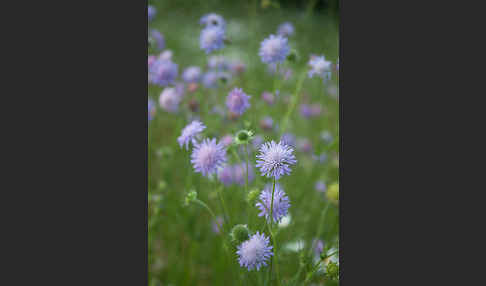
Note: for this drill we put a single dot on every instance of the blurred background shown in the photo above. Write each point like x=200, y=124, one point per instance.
x=184, y=246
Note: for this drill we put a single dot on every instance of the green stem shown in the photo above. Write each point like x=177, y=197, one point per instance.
x=274, y=239
x=295, y=99
x=225, y=210
x=321, y=223
x=247, y=159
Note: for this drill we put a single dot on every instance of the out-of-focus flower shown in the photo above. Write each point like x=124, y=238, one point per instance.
x=210, y=79
x=151, y=11
x=190, y=133
x=254, y=252
x=211, y=39
x=320, y=67
x=274, y=49
x=288, y=139
x=268, y=97
x=218, y=62
x=227, y=140
x=317, y=246
x=320, y=186
x=326, y=136
x=158, y=39
x=208, y=156
x=266, y=123
x=163, y=72
x=192, y=74
x=275, y=159
x=213, y=20
x=237, y=101
x=239, y=172
x=166, y=55
x=216, y=224
x=304, y=145
x=169, y=99
x=257, y=141
x=286, y=29
x=225, y=175
x=151, y=109
x=281, y=202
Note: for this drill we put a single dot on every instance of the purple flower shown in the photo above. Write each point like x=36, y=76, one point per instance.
x=286, y=29
x=190, y=132
x=304, y=145
x=321, y=67
x=211, y=39
x=192, y=74
x=281, y=203
x=225, y=175
x=227, y=140
x=317, y=246
x=274, y=49
x=320, y=186
x=207, y=156
x=216, y=224
x=321, y=158
x=237, y=101
x=213, y=20
x=151, y=11
x=266, y=123
x=158, y=38
x=169, y=99
x=218, y=62
x=210, y=79
x=239, y=173
x=163, y=72
x=268, y=97
x=254, y=252
x=305, y=110
x=151, y=109
x=275, y=159
x=166, y=55
x=288, y=139
x=257, y=141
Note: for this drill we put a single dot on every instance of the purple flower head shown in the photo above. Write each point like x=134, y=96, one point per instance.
x=151, y=109
x=281, y=202
x=321, y=67
x=239, y=173
x=216, y=223
x=237, y=67
x=213, y=20
x=288, y=139
x=207, y=156
x=315, y=109
x=192, y=74
x=305, y=110
x=166, y=55
x=225, y=175
x=274, y=49
x=254, y=252
x=169, y=99
x=257, y=141
x=158, y=38
x=151, y=12
x=275, y=159
x=304, y=145
x=210, y=79
x=190, y=132
x=150, y=60
x=163, y=72
x=266, y=123
x=320, y=186
x=321, y=158
x=268, y=97
x=317, y=246
x=237, y=101
x=211, y=39
x=218, y=62
x=227, y=140
x=286, y=29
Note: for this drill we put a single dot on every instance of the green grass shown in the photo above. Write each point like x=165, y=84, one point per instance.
x=183, y=250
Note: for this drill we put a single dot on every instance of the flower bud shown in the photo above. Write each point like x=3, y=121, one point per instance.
x=243, y=137
x=191, y=196
x=239, y=234
x=333, y=193
x=253, y=195
x=332, y=270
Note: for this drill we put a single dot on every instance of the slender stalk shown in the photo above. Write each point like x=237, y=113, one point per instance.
x=274, y=239
x=247, y=159
x=225, y=210
x=295, y=99
x=321, y=223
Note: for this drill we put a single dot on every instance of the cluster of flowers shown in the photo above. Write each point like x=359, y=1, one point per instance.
x=208, y=155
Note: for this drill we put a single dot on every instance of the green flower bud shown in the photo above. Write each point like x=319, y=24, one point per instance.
x=332, y=193
x=239, y=234
x=252, y=195
x=243, y=137
x=293, y=56
x=191, y=196
x=332, y=270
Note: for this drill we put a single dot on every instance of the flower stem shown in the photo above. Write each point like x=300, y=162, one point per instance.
x=247, y=159
x=274, y=239
x=295, y=99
